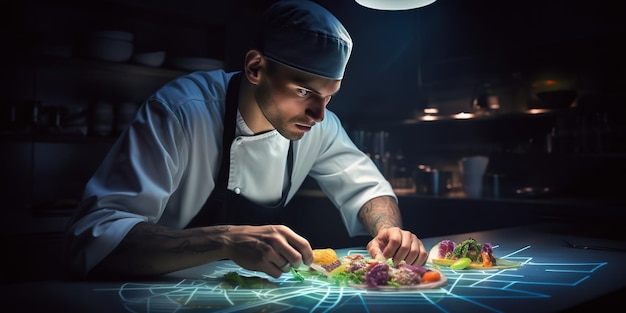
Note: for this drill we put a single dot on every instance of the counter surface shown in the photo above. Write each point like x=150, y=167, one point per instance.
x=553, y=277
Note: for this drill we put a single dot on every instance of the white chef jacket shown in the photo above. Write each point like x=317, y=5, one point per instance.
x=164, y=166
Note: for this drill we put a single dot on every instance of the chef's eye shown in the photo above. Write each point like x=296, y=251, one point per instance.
x=302, y=92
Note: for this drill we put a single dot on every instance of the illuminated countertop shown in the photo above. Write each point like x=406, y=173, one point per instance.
x=552, y=278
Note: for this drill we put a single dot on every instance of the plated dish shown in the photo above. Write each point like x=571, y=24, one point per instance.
x=467, y=254
x=360, y=271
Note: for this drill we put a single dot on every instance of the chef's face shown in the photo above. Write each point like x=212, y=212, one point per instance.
x=291, y=100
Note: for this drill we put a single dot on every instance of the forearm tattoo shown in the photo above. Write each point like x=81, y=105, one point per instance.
x=148, y=242
x=209, y=242
x=381, y=212
x=193, y=240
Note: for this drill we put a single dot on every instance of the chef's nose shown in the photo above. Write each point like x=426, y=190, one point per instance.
x=316, y=114
x=317, y=108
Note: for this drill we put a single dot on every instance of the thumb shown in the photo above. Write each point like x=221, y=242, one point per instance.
x=375, y=251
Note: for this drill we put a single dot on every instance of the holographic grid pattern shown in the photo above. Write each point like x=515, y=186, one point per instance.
x=473, y=290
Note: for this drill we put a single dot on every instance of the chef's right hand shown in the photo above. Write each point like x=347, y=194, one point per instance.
x=272, y=249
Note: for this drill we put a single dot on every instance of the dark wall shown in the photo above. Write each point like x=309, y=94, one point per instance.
x=457, y=45
x=440, y=54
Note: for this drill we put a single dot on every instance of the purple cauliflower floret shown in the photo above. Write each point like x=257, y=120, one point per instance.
x=446, y=247
x=378, y=275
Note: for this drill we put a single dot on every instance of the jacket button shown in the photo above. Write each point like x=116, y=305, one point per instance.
x=237, y=190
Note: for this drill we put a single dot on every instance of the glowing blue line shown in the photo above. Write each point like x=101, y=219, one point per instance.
x=571, y=264
x=581, y=280
x=455, y=282
x=509, y=285
x=473, y=282
x=508, y=297
x=215, y=288
x=486, y=278
x=497, y=274
x=327, y=297
x=337, y=301
x=324, y=297
x=505, y=289
x=551, y=283
x=193, y=292
x=476, y=303
x=363, y=302
x=275, y=300
x=515, y=252
x=570, y=271
x=435, y=304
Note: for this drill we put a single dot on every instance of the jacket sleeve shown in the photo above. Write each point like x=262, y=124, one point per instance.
x=133, y=184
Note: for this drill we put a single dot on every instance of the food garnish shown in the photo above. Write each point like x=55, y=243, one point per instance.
x=353, y=270
x=324, y=256
x=234, y=279
x=430, y=276
x=460, y=263
x=359, y=271
x=296, y=275
x=486, y=259
x=468, y=254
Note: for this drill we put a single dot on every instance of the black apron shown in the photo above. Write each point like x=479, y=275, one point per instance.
x=225, y=206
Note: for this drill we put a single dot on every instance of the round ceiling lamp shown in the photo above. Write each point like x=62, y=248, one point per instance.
x=394, y=5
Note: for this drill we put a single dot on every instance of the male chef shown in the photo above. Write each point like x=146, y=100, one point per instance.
x=206, y=167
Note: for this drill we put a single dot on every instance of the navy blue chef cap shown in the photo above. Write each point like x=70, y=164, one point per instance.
x=305, y=36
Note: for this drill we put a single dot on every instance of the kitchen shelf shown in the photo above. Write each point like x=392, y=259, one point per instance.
x=10, y=136
x=72, y=78
x=91, y=65
x=183, y=12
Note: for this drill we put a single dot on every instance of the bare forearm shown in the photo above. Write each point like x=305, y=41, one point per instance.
x=151, y=249
x=380, y=213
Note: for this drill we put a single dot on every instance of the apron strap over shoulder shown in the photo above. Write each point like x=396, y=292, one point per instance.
x=224, y=206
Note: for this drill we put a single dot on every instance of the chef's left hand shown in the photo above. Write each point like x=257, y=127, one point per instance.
x=398, y=244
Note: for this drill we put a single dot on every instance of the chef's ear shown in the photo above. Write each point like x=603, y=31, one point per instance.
x=253, y=64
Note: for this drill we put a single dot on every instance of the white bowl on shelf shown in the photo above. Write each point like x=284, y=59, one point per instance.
x=152, y=59
x=111, y=45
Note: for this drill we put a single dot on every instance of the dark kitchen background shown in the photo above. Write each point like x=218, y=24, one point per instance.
x=536, y=86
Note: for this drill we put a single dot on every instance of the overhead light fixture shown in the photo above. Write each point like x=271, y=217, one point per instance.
x=394, y=5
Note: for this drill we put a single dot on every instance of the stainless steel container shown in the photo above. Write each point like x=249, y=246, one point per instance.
x=431, y=181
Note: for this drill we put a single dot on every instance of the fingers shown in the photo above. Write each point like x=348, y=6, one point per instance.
x=285, y=268
x=374, y=249
x=276, y=249
x=417, y=254
x=290, y=246
x=409, y=248
x=400, y=245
